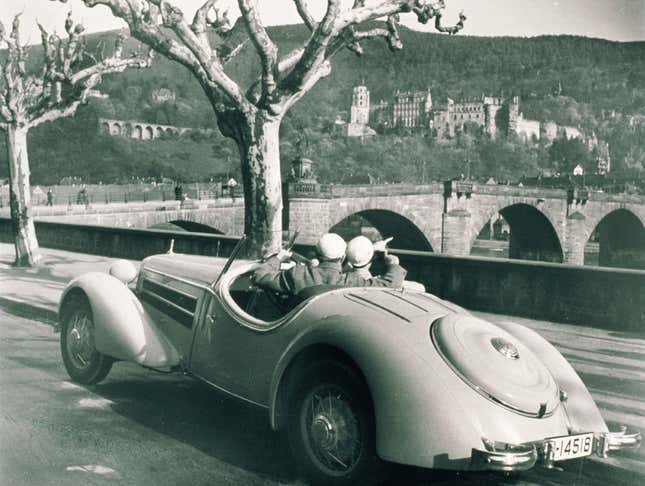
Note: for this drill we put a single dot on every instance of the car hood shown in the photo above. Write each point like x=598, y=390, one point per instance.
x=202, y=270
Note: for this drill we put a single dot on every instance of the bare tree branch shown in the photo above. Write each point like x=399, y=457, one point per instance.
x=391, y=33
x=264, y=46
x=450, y=30
x=203, y=61
x=220, y=24
x=305, y=15
x=314, y=53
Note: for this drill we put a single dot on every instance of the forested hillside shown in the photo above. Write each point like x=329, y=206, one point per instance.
x=597, y=77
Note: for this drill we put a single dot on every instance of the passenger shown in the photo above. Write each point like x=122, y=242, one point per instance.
x=331, y=253
x=360, y=252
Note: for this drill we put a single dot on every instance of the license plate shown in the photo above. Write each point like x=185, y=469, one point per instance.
x=572, y=446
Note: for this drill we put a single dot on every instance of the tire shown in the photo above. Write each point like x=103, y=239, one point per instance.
x=331, y=426
x=83, y=362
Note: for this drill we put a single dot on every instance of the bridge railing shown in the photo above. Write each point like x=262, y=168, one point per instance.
x=328, y=191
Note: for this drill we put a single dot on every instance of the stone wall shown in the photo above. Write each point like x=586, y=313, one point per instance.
x=601, y=297
x=130, y=243
x=607, y=298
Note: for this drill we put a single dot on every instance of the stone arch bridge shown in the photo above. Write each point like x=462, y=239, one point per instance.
x=216, y=216
x=545, y=224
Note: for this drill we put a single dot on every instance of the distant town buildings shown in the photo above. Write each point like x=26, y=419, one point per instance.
x=163, y=95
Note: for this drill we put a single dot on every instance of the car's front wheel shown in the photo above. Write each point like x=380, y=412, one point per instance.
x=83, y=362
x=331, y=426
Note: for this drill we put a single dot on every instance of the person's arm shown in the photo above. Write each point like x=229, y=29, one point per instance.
x=268, y=275
x=394, y=274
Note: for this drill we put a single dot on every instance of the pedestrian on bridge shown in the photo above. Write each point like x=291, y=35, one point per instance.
x=232, y=184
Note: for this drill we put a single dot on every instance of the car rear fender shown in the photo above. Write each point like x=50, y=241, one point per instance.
x=123, y=329
x=418, y=421
x=583, y=414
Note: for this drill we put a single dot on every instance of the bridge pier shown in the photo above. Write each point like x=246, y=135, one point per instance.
x=576, y=239
x=455, y=238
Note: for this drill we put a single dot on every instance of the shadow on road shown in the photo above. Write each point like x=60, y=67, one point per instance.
x=190, y=412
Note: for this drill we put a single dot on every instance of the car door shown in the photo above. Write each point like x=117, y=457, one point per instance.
x=233, y=357
x=172, y=304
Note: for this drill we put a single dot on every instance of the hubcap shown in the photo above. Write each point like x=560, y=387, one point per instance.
x=332, y=429
x=80, y=340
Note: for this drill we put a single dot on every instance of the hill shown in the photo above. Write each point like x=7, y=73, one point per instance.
x=597, y=77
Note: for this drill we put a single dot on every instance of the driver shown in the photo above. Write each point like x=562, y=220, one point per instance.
x=331, y=253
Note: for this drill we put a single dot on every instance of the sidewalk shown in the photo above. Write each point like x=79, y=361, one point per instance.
x=36, y=291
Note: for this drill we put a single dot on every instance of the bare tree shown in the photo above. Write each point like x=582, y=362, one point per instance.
x=252, y=117
x=69, y=74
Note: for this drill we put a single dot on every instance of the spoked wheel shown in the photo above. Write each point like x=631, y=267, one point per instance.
x=331, y=427
x=83, y=362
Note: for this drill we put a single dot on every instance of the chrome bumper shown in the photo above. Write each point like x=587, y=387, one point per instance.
x=500, y=456
x=615, y=441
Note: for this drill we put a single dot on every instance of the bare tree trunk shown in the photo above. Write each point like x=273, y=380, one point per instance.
x=259, y=146
x=24, y=232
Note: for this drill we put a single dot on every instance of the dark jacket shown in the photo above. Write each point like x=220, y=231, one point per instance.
x=292, y=281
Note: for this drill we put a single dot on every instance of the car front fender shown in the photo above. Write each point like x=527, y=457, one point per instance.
x=122, y=327
x=582, y=411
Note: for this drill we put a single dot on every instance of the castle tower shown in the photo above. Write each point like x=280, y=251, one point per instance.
x=360, y=114
x=513, y=114
x=360, y=111
x=491, y=106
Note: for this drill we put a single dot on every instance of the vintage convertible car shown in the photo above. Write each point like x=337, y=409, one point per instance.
x=356, y=376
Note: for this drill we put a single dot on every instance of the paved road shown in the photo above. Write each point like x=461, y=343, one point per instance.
x=146, y=428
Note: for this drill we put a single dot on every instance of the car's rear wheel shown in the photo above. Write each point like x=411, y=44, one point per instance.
x=83, y=362
x=331, y=426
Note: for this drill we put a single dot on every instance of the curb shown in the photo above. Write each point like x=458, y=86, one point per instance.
x=22, y=309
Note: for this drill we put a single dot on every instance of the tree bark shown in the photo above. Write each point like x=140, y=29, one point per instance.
x=259, y=146
x=24, y=232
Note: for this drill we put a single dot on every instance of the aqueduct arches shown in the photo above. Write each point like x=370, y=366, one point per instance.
x=407, y=235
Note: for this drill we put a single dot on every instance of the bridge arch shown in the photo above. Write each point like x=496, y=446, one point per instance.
x=532, y=233
x=407, y=234
x=620, y=235
x=137, y=132
x=186, y=225
x=148, y=133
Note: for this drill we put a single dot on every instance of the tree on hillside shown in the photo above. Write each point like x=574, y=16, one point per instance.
x=252, y=116
x=566, y=153
x=68, y=75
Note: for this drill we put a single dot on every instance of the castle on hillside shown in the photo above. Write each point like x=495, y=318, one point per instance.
x=414, y=110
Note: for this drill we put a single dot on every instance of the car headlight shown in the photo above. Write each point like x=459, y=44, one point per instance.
x=123, y=270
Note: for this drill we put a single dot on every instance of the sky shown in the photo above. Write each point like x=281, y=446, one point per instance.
x=620, y=20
